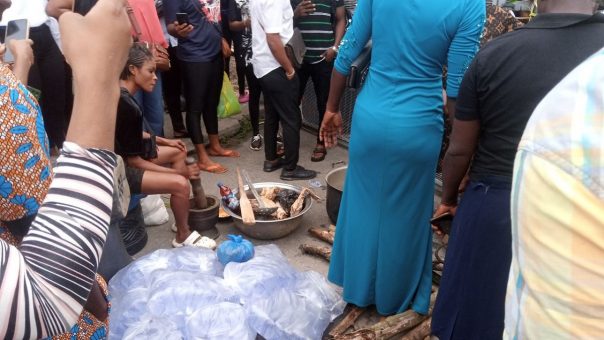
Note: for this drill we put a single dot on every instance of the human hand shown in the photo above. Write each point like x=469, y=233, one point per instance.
x=304, y=8
x=331, y=128
x=442, y=209
x=22, y=51
x=182, y=30
x=329, y=55
x=96, y=46
x=177, y=143
x=193, y=171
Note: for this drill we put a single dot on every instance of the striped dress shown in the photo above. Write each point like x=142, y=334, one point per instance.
x=44, y=284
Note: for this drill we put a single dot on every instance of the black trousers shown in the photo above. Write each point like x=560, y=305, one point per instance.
x=320, y=73
x=281, y=95
x=48, y=74
x=203, y=82
x=240, y=62
x=172, y=88
x=254, y=103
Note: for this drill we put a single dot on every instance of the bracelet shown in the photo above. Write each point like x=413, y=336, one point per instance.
x=289, y=75
x=335, y=49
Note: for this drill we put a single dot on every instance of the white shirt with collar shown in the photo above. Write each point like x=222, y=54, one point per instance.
x=32, y=10
x=269, y=16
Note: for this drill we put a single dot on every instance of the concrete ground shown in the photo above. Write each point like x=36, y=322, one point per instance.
x=233, y=130
x=230, y=129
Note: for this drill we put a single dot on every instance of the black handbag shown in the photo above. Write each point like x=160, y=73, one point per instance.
x=295, y=49
x=359, y=69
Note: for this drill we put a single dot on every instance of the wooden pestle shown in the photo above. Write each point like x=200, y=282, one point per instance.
x=199, y=196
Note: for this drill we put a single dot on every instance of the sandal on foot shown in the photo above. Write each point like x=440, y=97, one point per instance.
x=318, y=154
x=214, y=169
x=226, y=153
x=195, y=240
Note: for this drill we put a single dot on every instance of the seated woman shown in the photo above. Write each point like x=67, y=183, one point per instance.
x=72, y=219
x=145, y=171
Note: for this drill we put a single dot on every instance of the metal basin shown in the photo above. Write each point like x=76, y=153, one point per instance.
x=272, y=229
x=335, y=186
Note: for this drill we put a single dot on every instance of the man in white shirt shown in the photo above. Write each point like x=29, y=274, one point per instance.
x=272, y=24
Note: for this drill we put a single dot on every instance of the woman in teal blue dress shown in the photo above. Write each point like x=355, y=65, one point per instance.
x=382, y=254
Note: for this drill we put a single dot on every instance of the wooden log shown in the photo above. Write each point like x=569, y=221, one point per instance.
x=347, y=322
x=390, y=326
x=321, y=234
x=419, y=332
x=322, y=252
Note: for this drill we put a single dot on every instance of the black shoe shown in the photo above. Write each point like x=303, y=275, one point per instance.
x=270, y=166
x=297, y=173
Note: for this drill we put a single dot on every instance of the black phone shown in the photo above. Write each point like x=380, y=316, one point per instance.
x=15, y=30
x=182, y=18
x=443, y=222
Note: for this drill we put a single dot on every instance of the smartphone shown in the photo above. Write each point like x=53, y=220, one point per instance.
x=182, y=18
x=443, y=222
x=15, y=30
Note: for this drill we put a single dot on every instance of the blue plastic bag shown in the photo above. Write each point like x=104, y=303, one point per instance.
x=235, y=249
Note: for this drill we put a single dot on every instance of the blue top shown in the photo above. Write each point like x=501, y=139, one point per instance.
x=203, y=43
x=430, y=36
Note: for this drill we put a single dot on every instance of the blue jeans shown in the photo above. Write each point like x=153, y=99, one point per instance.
x=152, y=104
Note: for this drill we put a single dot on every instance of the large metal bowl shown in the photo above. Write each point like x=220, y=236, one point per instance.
x=273, y=229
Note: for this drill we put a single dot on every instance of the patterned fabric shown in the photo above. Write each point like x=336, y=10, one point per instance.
x=499, y=21
x=88, y=326
x=556, y=282
x=25, y=174
x=68, y=232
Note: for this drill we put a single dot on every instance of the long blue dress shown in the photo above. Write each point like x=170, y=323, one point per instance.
x=382, y=249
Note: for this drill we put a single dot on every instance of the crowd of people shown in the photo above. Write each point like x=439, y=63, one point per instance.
x=524, y=253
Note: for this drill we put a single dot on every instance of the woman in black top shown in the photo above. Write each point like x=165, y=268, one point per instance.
x=148, y=175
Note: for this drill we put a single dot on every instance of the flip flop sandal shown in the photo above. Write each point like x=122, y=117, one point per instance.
x=318, y=154
x=214, y=169
x=195, y=240
x=227, y=153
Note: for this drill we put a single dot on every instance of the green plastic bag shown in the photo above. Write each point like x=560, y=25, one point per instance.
x=229, y=103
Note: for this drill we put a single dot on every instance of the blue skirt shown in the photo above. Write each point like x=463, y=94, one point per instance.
x=471, y=298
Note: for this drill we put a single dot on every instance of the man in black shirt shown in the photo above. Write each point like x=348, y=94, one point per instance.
x=500, y=90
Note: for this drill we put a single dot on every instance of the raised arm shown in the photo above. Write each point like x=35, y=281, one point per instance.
x=464, y=45
x=48, y=279
x=352, y=44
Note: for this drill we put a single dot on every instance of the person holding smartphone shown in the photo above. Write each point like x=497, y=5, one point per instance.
x=199, y=49
x=48, y=73
x=80, y=198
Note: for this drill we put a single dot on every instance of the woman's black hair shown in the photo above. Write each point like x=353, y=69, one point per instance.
x=139, y=54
